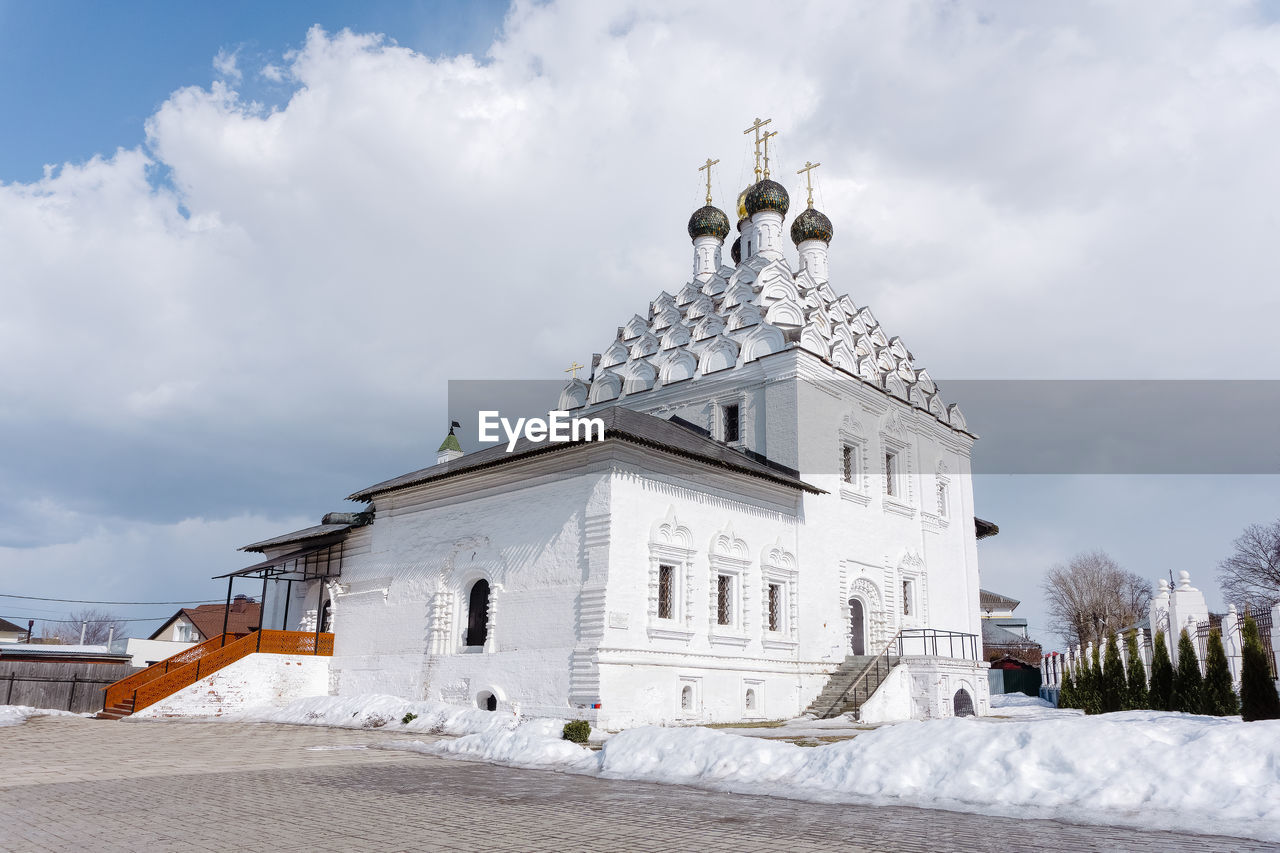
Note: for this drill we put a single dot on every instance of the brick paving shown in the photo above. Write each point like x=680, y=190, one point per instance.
x=75, y=784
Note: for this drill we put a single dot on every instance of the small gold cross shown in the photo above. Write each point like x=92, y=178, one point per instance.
x=756, y=127
x=574, y=368
x=808, y=177
x=708, y=166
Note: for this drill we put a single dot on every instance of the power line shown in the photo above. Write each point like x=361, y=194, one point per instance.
x=91, y=621
x=85, y=601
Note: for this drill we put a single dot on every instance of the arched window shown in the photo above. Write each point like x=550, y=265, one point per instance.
x=751, y=699
x=963, y=703
x=858, y=624
x=326, y=615
x=486, y=701
x=686, y=698
x=478, y=614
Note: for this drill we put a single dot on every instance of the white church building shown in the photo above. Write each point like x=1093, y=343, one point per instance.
x=779, y=519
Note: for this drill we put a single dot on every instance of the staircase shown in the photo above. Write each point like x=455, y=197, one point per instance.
x=854, y=682
x=188, y=666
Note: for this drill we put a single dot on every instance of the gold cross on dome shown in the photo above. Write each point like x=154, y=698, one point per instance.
x=707, y=165
x=756, y=125
x=765, y=140
x=574, y=368
x=807, y=171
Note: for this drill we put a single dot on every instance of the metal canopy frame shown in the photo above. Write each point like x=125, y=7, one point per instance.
x=315, y=562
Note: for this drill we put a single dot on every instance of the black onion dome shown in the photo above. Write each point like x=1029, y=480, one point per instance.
x=767, y=195
x=743, y=223
x=736, y=251
x=708, y=222
x=811, y=225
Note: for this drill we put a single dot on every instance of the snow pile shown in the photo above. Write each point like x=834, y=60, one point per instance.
x=12, y=715
x=1137, y=768
x=535, y=744
x=376, y=711
x=1023, y=707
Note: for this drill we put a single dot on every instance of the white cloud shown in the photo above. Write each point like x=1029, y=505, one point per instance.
x=1017, y=191
x=227, y=64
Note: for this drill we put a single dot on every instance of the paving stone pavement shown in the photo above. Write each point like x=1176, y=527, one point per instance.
x=77, y=784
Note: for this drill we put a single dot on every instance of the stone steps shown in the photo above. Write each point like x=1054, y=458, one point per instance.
x=850, y=685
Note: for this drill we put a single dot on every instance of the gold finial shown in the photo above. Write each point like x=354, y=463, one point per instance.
x=756, y=125
x=707, y=165
x=765, y=139
x=808, y=177
x=574, y=368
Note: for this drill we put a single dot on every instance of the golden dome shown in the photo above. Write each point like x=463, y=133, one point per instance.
x=742, y=205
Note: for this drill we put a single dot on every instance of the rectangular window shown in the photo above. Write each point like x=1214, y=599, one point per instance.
x=775, y=607
x=848, y=464
x=666, y=592
x=724, y=600
x=942, y=498
x=730, y=428
x=891, y=473
x=906, y=598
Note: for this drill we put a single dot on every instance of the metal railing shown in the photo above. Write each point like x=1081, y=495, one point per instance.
x=861, y=688
x=935, y=643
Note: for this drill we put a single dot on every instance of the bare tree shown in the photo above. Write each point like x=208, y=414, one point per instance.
x=100, y=626
x=1092, y=596
x=1252, y=574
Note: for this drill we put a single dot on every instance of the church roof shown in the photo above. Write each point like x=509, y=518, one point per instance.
x=620, y=424
x=744, y=313
x=298, y=536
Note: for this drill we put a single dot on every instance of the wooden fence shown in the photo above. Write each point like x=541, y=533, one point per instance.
x=63, y=686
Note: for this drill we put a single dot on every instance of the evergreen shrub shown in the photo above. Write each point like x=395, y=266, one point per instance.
x=576, y=731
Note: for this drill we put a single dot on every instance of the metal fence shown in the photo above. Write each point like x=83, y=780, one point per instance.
x=62, y=686
x=928, y=641
x=1263, y=620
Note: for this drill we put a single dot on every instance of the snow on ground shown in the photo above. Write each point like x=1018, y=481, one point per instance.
x=1137, y=768
x=12, y=715
x=376, y=711
x=1020, y=706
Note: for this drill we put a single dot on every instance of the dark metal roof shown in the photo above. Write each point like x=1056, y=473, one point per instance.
x=6, y=625
x=298, y=536
x=275, y=567
x=620, y=424
x=988, y=600
x=985, y=528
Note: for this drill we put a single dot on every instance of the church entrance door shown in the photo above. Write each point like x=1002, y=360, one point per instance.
x=858, y=622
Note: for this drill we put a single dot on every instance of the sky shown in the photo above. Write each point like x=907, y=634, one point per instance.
x=244, y=247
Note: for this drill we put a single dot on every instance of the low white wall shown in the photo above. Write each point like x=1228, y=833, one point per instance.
x=892, y=700
x=147, y=652
x=258, y=679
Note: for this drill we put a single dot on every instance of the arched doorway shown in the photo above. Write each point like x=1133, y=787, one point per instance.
x=962, y=703
x=858, y=626
x=478, y=614
x=326, y=615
